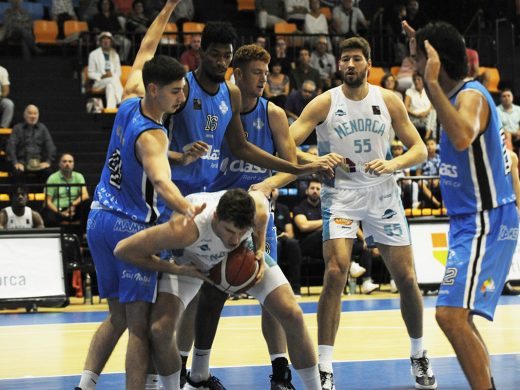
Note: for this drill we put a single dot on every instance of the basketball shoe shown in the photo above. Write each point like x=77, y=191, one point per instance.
x=281, y=378
x=422, y=372
x=212, y=383
x=327, y=380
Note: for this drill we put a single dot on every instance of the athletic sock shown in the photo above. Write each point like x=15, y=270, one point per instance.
x=88, y=380
x=152, y=382
x=171, y=382
x=274, y=356
x=416, y=347
x=310, y=377
x=325, y=357
x=200, y=365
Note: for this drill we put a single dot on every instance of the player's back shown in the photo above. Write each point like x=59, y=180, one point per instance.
x=124, y=188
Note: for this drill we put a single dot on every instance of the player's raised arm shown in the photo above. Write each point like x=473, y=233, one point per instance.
x=134, y=86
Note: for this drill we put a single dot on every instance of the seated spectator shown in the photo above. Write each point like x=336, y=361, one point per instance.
x=137, y=21
x=405, y=75
x=280, y=54
x=268, y=12
x=409, y=188
x=323, y=61
x=304, y=71
x=18, y=27
x=309, y=222
x=30, y=148
x=295, y=10
x=18, y=215
x=430, y=189
x=106, y=20
x=65, y=202
x=297, y=100
x=361, y=251
x=510, y=117
x=348, y=20
x=390, y=82
x=261, y=40
x=61, y=11
x=6, y=104
x=420, y=110
x=315, y=21
x=277, y=85
x=104, y=69
x=191, y=58
x=289, y=253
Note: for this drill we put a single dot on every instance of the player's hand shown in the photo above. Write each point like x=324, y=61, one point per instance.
x=410, y=33
x=263, y=187
x=193, y=210
x=188, y=270
x=378, y=167
x=259, y=255
x=192, y=152
x=433, y=64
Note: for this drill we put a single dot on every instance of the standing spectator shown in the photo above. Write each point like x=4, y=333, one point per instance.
x=62, y=10
x=431, y=191
x=308, y=221
x=280, y=54
x=18, y=28
x=18, y=215
x=268, y=12
x=297, y=100
x=104, y=69
x=30, y=147
x=295, y=10
x=304, y=71
x=348, y=20
x=6, y=104
x=421, y=112
x=395, y=28
x=277, y=85
x=137, y=22
x=323, y=61
x=191, y=58
x=414, y=16
x=509, y=114
x=66, y=202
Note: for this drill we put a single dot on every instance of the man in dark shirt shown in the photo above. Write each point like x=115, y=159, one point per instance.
x=304, y=71
x=309, y=222
x=297, y=100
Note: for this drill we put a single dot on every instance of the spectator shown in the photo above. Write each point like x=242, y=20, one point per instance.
x=405, y=75
x=66, y=202
x=104, y=69
x=315, y=21
x=30, y=147
x=18, y=215
x=365, y=254
x=184, y=12
x=106, y=20
x=6, y=104
x=137, y=22
x=323, y=61
x=280, y=54
x=268, y=12
x=430, y=188
x=390, y=82
x=395, y=28
x=308, y=221
x=191, y=58
x=261, y=40
x=61, y=11
x=297, y=100
x=123, y=7
x=473, y=63
x=414, y=16
x=295, y=10
x=18, y=28
x=409, y=188
x=420, y=110
x=289, y=253
x=304, y=71
x=277, y=86
x=348, y=20
x=509, y=116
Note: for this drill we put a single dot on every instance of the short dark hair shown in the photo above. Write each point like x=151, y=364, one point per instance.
x=506, y=89
x=238, y=207
x=386, y=76
x=248, y=53
x=449, y=43
x=162, y=70
x=356, y=43
x=218, y=32
x=18, y=188
x=112, y=6
x=313, y=180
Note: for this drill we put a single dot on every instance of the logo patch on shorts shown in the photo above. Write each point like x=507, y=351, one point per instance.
x=488, y=286
x=389, y=213
x=343, y=222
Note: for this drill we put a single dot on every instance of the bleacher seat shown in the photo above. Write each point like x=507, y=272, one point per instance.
x=169, y=37
x=492, y=78
x=284, y=28
x=375, y=74
x=125, y=73
x=245, y=5
x=327, y=13
x=395, y=70
x=191, y=27
x=74, y=26
x=45, y=31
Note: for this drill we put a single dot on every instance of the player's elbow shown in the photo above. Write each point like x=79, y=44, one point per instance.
x=462, y=143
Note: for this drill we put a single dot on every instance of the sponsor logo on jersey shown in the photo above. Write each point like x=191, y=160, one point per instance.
x=488, y=286
x=239, y=166
x=448, y=170
x=204, y=247
x=343, y=221
x=360, y=125
x=223, y=107
x=213, y=154
x=126, y=225
x=197, y=104
x=137, y=277
x=376, y=110
x=258, y=124
x=389, y=213
x=340, y=112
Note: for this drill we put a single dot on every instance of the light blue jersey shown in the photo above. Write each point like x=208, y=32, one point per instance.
x=124, y=189
x=478, y=178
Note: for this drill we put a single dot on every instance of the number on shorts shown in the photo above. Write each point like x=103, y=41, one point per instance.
x=449, y=276
x=394, y=229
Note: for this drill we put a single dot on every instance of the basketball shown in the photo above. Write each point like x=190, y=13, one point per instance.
x=237, y=272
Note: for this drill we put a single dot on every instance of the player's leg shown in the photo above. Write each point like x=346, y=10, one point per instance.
x=185, y=335
x=138, y=347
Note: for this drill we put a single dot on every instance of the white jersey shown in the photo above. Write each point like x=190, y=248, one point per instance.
x=360, y=132
x=208, y=250
x=14, y=221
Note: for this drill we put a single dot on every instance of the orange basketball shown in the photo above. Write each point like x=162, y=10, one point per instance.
x=237, y=272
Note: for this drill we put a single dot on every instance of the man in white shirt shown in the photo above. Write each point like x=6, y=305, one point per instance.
x=509, y=116
x=347, y=19
x=323, y=61
x=6, y=105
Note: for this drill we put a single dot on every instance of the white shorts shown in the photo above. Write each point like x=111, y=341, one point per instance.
x=186, y=287
x=378, y=207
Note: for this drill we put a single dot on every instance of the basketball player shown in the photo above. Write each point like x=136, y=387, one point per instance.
x=134, y=188
x=229, y=218
x=18, y=215
x=476, y=185
x=354, y=120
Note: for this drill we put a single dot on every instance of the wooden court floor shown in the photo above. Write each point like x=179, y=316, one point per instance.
x=46, y=350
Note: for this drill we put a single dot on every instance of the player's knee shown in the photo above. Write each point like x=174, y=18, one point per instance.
x=292, y=316
x=406, y=283
x=446, y=320
x=160, y=334
x=118, y=322
x=336, y=273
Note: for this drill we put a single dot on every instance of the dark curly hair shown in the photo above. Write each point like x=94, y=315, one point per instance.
x=237, y=206
x=218, y=32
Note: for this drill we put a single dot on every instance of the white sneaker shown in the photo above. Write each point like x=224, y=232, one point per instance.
x=368, y=286
x=356, y=270
x=393, y=287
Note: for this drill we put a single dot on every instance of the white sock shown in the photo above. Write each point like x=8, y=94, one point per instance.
x=416, y=347
x=200, y=365
x=184, y=353
x=171, y=382
x=274, y=356
x=88, y=380
x=325, y=357
x=152, y=382
x=310, y=377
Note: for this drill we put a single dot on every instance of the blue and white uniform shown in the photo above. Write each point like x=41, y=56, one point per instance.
x=125, y=202
x=477, y=190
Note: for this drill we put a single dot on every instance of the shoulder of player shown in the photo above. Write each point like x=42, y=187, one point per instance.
x=275, y=112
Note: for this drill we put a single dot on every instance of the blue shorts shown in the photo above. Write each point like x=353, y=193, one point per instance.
x=481, y=248
x=117, y=278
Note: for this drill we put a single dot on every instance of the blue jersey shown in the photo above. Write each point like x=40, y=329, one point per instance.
x=204, y=117
x=478, y=178
x=237, y=173
x=124, y=189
